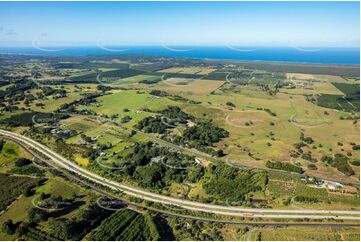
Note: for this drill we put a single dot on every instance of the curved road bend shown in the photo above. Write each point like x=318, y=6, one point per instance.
x=97, y=190
x=195, y=206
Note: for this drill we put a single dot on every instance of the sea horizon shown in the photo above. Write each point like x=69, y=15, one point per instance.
x=305, y=55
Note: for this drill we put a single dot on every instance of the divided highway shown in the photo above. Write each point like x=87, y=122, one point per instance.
x=60, y=161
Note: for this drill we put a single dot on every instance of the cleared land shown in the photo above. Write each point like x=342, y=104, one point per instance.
x=187, y=86
x=189, y=70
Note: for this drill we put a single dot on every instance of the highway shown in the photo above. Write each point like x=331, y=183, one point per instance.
x=60, y=161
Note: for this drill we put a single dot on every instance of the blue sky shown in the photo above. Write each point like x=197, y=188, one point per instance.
x=181, y=23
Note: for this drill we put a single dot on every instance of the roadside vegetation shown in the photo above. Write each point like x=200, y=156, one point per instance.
x=143, y=120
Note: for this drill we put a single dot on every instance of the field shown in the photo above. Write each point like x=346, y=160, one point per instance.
x=336, y=102
x=248, y=77
x=317, y=77
x=181, y=128
x=132, y=100
x=304, y=233
x=189, y=87
x=59, y=187
x=293, y=116
x=17, y=212
x=136, y=79
x=9, y=153
x=295, y=187
x=52, y=103
x=189, y=70
x=80, y=123
x=261, y=126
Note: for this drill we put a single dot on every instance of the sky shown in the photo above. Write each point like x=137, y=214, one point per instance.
x=326, y=24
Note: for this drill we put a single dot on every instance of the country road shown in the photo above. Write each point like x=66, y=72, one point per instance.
x=60, y=161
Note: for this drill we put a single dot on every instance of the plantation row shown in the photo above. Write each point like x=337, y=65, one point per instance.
x=111, y=227
x=126, y=225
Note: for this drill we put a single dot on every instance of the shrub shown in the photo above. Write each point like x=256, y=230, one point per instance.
x=126, y=119
x=340, y=162
x=312, y=167
x=8, y=227
x=304, y=199
x=231, y=104
x=355, y=163
x=28, y=192
x=22, y=162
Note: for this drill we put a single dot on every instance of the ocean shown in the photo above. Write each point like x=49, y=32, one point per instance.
x=279, y=54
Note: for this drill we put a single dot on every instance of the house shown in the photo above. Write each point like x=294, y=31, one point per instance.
x=333, y=185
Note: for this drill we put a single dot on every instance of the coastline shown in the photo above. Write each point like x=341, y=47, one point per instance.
x=282, y=55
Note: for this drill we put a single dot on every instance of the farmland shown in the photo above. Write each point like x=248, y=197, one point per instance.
x=189, y=87
x=189, y=70
x=189, y=129
x=303, y=233
x=264, y=111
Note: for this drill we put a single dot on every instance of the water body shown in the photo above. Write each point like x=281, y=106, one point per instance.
x=286, y=54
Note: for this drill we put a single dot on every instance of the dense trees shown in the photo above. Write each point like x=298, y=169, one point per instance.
x=22, y=162
x=12, y=186
x=238, y=182
x=48, y=91
x=86, y=100
x=175, y=113
x=8, y=227
x=173, y=97
x=103, y=88
x=28, y=192
x=15, y=93
x=153, y=125
x=171, y=117
x=340, y=162
x=150, y=81
x=153, y=166
x=308, y=156
x=75, y=228
x=283, y=166
x=203, y=133
x=2, y=142
x=184, y=229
